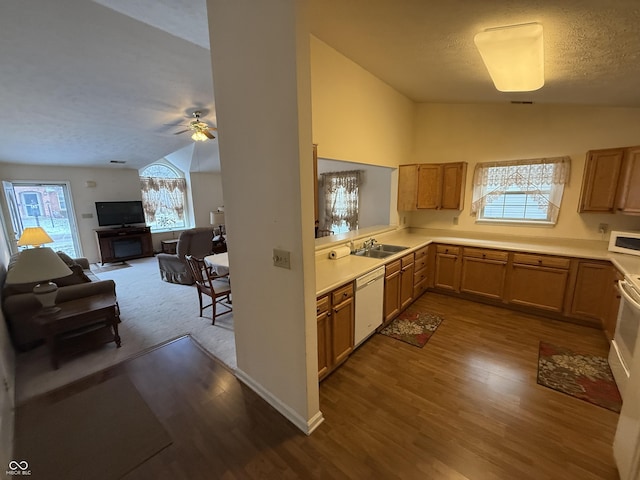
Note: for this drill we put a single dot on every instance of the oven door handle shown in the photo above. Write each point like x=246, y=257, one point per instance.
x=623, y=290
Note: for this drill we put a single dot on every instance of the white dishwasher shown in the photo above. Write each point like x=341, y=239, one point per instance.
x=369, y=304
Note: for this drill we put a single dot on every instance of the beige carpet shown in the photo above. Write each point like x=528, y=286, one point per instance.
x=88, y=435
x=152, y=312
x=97, y=268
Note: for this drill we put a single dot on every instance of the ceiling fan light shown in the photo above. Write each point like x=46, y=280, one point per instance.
x=199, y=136
x=514, y=56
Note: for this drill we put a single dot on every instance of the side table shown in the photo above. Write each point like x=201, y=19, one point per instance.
x=80, y=325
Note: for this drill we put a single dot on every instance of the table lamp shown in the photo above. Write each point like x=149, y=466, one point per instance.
x=39, y=264
x=217, y=218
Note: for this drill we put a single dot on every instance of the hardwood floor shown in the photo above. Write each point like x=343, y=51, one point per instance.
x=466, y=406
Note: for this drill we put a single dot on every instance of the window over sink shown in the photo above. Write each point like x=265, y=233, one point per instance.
x=520, y=191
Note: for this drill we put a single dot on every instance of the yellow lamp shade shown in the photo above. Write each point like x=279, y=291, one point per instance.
x=34, y=236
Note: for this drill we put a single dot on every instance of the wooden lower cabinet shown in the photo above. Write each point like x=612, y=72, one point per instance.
x=398, y=286
x=538, y=281
x=406, y=281
x=324, y=348
x=484, y=272
x=447, y=268
x=335, y=316
x=420, y=272
x=391, y=291
x=591, y=288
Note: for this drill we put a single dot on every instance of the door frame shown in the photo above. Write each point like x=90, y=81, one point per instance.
x=10, y=206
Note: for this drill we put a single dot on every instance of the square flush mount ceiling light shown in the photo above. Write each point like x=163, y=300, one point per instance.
x=514, y=56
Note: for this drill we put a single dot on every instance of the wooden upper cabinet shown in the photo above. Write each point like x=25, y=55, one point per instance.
x=611, y=181
x=453, y=178
x=628, y=200
x=407, y=187
x=431, y=186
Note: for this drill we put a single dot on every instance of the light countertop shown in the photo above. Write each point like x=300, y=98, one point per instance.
x=331, y=274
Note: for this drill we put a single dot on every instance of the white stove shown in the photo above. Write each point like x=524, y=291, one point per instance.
x=624, y=359
x=626, y=334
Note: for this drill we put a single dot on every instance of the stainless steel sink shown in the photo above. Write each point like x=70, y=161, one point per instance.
x=373, y=253
x=388, y=248
x=380, y=250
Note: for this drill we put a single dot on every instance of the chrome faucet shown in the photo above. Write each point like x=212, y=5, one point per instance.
x=368, y=244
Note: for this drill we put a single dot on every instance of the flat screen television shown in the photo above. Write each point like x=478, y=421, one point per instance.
x=120, y=213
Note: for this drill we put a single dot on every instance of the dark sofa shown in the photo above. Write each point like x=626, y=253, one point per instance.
x=19, y=304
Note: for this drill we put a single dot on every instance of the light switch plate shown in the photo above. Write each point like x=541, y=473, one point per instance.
x=281, y=258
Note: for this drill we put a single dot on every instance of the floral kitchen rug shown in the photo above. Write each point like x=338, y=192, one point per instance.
x=587, y=377
x=413, y=326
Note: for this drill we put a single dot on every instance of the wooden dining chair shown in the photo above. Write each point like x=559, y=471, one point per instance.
x=217, y=287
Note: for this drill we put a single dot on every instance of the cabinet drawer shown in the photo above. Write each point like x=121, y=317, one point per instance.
x=420, y=288
x=392, y=267
x=541, y=260
x=486, y=254
x=406, y=260
x=322, y=305
x=448, y=249
x=419, y=276
x=421, y=263
x=422, y=253
x=341, y=294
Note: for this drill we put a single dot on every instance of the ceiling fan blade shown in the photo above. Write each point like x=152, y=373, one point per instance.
x=208, y=134
x=183, y=131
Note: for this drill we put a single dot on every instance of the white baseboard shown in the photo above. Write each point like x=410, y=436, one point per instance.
x=306, y=426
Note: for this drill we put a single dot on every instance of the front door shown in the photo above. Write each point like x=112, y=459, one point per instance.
x=46, y=205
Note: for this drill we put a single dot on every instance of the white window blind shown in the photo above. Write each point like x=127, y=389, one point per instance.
x=520, y=190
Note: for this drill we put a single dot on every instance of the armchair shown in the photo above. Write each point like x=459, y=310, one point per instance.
x=195, y=241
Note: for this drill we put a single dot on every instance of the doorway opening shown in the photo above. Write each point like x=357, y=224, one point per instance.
x=46, y=205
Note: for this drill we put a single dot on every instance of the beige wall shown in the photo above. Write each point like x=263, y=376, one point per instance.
x=357, y=117
x=490, y=132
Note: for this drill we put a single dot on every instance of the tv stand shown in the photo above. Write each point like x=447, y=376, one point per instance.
x=124, y=243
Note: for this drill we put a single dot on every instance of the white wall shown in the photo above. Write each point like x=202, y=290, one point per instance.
x=7, y=371
x=375, y=191
x=113, y=184
x=492, y=132
x=260, y=58
x=206, y=190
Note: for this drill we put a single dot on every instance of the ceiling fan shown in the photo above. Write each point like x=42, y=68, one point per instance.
x=201, y=131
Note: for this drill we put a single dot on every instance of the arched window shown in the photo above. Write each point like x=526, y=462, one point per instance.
x=164, y=197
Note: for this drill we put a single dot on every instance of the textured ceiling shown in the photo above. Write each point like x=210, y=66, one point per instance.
x=84, y=83
x=425, y=49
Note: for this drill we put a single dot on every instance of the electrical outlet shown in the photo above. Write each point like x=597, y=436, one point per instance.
x=455, y=220
x=281, y=258
x=87, y=215
x=603, y=228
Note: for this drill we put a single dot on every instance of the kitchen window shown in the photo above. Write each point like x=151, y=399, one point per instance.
x=341, y=193
x=520, y=191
